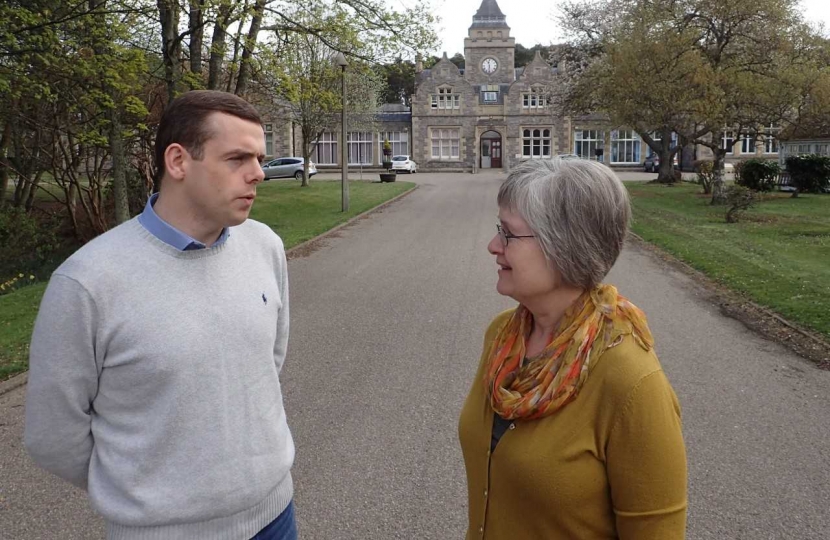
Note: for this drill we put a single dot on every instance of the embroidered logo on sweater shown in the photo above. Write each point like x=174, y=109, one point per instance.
x=264, y=299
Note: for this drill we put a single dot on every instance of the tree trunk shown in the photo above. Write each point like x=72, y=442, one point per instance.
x=718, y=188
x=4, y=165
x=307, y=159
x=217, y=46
x=248, y=49
x=170, y=44
x=119, y=173
x=31, y=191
x=665, y=174
x=233, y=69
x=197, y=33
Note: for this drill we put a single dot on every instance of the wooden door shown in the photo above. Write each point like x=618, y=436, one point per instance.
x=495, y=154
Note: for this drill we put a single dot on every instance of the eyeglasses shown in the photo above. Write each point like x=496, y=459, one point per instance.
x=505, y=236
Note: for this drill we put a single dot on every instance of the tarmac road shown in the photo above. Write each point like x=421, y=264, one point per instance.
x=386, y=330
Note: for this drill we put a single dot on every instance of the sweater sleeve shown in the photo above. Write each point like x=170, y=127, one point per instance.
x=63, y=381
x=281, y=343
x=646, y=462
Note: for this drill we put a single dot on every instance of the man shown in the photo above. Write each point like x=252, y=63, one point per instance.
x=154, y=363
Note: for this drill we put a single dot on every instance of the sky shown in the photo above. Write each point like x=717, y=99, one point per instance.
x=532, y=21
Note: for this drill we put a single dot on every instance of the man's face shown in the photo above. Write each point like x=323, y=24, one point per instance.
x=221, y=186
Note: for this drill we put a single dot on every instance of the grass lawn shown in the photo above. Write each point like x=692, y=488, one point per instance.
x=296, y=214
x=778, y=255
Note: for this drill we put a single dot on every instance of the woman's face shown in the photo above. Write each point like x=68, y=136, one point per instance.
x=524, y=272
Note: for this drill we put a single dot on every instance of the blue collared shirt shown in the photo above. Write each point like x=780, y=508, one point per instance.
x=169, y=234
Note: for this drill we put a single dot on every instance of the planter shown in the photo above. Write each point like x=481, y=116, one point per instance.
x=388, y=177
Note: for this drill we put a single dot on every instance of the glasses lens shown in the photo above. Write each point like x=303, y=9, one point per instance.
x=502, y=235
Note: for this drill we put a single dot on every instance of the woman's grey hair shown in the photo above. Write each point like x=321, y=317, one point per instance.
x=578, y=210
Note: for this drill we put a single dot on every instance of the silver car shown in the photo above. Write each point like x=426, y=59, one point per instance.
x=287, y=167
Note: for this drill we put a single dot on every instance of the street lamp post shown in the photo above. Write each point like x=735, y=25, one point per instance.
x=340, y=60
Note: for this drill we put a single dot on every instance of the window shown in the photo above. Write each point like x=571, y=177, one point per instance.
x=536, y=143
x=727, y=141
x=535, y=99
x=446, y=99
x=803, y=149
x=398, y=139
x=360, y=147
x=445, y=143
x=770, y=140
x=269, y=139
x=326, y=149
x=625, y=146
x=748, y=143
x=586, y=141
x=490, y=94
x=823, y=149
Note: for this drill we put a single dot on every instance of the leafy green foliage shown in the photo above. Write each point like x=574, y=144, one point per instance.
x=809, y=174
x=758, y=174
x=739, y=199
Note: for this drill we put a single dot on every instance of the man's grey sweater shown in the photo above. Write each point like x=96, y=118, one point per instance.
x=153, y=383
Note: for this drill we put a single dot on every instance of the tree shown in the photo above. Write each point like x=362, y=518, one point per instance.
x=458, y=60
x=693, y=67
x=523, y=56
x=301, y=81
x=399, y=76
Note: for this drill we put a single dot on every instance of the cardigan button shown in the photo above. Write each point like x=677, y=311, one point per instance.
x=485, y=493
x=512, y=426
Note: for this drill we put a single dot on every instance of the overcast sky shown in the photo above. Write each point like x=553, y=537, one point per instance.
x=532, y=21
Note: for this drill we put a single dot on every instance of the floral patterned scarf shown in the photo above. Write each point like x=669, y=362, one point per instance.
x=599, y=319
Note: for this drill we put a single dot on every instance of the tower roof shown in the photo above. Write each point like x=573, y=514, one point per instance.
x=489, y=15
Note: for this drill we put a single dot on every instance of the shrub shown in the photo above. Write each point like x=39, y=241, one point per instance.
x=27, y=245
x=739, y=200
x=705, y=175
x=809, y=174
x=737, y=171
x=758, y=174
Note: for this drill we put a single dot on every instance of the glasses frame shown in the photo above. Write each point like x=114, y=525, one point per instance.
x=504, y=236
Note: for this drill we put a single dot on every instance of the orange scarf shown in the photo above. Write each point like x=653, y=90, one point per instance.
x=596, y=321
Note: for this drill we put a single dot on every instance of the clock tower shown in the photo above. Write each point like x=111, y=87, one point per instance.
x=489, y=50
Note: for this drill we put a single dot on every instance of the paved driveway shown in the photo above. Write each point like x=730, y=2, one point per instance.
x=387, y=322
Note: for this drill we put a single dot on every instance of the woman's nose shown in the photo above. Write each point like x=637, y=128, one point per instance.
x=495, y=247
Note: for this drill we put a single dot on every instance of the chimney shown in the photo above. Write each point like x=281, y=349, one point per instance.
x=419, y=64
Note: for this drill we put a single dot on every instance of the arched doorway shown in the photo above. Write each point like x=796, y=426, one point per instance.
x=490, y=150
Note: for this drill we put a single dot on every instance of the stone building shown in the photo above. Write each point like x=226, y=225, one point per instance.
x=489, y=115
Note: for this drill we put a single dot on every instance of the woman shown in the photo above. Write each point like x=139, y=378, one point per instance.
x=571, y=429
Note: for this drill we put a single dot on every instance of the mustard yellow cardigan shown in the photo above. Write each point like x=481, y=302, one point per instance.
x=609, y=465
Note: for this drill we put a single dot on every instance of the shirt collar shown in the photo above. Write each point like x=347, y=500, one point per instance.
x=171, y=235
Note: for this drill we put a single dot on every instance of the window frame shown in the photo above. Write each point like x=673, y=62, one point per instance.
x=329, y=142
x=631, y=142
x=363, y=147
x=594, y=141
x=447, y=142
x=535, y=141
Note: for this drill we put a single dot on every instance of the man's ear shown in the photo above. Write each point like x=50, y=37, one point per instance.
x=175, y=157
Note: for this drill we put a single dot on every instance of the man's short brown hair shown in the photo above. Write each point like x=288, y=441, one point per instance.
x=184, y=122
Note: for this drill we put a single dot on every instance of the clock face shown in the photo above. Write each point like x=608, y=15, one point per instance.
x=489, y=65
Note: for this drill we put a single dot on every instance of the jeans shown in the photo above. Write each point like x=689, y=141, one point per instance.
x=282, y=528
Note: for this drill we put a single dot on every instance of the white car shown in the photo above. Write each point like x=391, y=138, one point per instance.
x=403, y=163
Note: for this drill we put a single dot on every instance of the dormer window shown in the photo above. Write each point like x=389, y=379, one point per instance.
x=490, y=94
x=446, y=99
